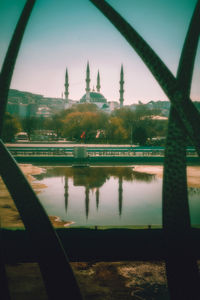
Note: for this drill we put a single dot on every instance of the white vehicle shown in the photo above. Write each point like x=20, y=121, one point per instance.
x=21, y=137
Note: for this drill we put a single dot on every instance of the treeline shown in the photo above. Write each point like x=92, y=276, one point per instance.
x=86, y=123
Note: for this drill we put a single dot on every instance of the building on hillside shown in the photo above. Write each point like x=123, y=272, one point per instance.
x=44, y=112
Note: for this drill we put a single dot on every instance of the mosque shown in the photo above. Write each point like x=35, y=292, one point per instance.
x=93, y=96
x=25, y=104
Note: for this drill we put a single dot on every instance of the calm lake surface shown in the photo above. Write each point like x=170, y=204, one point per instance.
x=116, y=196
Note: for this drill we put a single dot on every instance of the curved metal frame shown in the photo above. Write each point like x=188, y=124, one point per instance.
x=184, y=120
x=175, y=197
x=182, y=271
x=54, y=265
x=187, y=112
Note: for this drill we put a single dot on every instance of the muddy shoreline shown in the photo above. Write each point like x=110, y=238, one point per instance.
x=193, y=173
x=9, y=216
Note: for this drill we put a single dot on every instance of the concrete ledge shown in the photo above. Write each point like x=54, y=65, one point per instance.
x=102, y=159
x=82, y=244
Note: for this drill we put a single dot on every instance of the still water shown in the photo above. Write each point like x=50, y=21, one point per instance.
x=116, y=196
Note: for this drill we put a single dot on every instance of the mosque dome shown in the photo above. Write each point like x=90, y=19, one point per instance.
x=94, y=97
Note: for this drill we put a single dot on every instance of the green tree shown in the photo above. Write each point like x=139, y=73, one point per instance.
x=141, y=117
x=116, y=133
x=72, y=128
x=29, y=124
x=140, y=135
x=86, y=107
x=56, y=124
x=89, y=122
x=11, y=126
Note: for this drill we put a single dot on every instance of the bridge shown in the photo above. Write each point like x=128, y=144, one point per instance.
x=95, y=153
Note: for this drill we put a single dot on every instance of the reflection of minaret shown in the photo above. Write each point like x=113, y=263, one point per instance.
x=66, y=87
x=120, y=190
x=121, y=91
x=87, y=82
x=66, y=193
x=97, y=198
x=98, y=83
x=87, y=199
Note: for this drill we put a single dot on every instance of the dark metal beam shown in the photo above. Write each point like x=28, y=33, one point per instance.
x=54, y=265
x=183, y=278
x=85, y=244
x=5, y=79
x=55, y=268
x=10, y=59
x=186, y=111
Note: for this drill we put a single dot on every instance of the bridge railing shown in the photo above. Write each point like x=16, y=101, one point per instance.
x=68, y=152
x=182, y=271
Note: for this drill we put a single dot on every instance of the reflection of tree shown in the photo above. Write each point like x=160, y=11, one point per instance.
x=193, y=191
x=95, y=177
x=137, y=176
x=128, y=174
x=120, y=190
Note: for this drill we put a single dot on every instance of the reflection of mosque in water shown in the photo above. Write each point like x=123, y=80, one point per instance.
x=194, y=191
x=93, y=178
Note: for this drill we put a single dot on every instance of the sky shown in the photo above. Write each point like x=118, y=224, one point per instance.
x=67, y=33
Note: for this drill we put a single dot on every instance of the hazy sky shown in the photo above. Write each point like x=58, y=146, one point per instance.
x=67, y=33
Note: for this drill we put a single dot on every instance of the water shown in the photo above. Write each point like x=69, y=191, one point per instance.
x=116, y=196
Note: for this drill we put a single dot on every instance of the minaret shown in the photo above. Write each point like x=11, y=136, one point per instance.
x=121, y=91
x=66, y=86
x=87, y=82
x=98, y=82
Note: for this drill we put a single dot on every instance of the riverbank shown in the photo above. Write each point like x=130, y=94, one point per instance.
x=9, y=216
x=8, y=213
x=97, y=281
x=193, y=173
